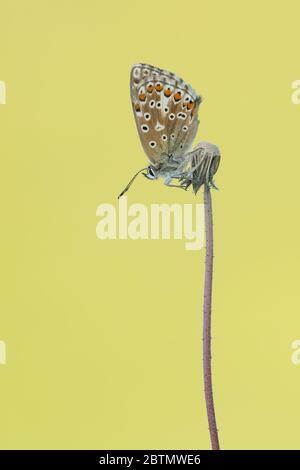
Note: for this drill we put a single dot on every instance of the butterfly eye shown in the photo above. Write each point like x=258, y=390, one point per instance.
x=172, y=116
x=151, y=172
x=145, y=128
x=152, y=143
x=152, y=104
x=147, y=116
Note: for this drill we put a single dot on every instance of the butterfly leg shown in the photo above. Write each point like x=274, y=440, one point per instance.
x=168, y=182
x=176, y=186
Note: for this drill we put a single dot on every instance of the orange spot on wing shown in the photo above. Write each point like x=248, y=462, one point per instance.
x=142, y=97
x=168, y=92
x=158, y=87
x=177, y=96
x=150, y=88
x=137, y=108
x=190, y=106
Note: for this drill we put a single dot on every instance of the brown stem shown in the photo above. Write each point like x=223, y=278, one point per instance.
x=207, y=321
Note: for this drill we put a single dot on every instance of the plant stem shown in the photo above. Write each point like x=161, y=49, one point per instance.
x=207, y=321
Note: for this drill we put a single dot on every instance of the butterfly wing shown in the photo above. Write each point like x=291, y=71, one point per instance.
x=165, y=110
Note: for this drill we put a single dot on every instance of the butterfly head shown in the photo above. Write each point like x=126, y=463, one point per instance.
x=151, y=173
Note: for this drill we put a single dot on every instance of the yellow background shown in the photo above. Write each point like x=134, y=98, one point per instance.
x=104, y=337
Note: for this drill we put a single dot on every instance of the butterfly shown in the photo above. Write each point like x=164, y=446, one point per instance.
x=166, y=108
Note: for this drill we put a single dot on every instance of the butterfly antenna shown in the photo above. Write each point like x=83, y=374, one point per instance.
x=131, y=181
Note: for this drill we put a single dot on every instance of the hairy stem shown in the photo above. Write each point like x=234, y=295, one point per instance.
x=207, y=321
